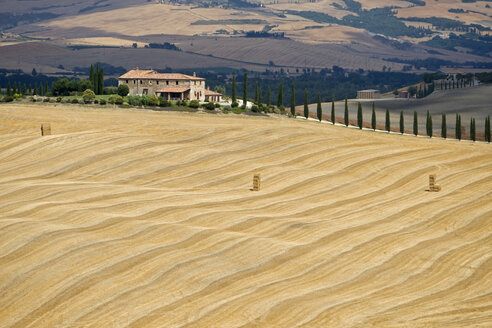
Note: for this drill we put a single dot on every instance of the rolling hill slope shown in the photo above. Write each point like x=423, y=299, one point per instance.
x=132, y=218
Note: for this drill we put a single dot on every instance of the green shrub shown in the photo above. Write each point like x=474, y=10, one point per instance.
x=125, y=106
x=8, y=98
x=17, y=96
x=134, y=100
x=119, y=100
x=123, y=90
x=75, y=101
x=234, y=104
x=152, y=101
x=164, y=102
x=194, y=104
x=46, y=100
x=58, y=99
x=209, y=106
x=255, y=109
x=102, y=102
x=96, y=101
x=88, y=96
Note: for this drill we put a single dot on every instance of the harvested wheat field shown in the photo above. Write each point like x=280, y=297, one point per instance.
x=132, y=218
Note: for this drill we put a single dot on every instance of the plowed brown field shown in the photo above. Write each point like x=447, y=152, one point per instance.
x=130, y=218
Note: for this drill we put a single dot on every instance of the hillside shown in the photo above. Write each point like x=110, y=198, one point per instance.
x=346, y=33
x=132, y=218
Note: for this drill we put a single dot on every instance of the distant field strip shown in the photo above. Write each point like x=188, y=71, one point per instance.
x=132, y=218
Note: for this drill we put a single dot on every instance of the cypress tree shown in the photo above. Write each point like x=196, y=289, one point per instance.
x=373, y=118
x=293, y=101
x=46, y=90
x=444, y=131
x=96, y=79
x=9, y=91
x=346, y=113
x=260, y=98
x=30, y=88
x=333, y=110
x=14, y=91
x=280, y=101
x=91, y=78
x=472, y=130
x=319, y=110
x=269, y=101
x=306, y=108
x=245, y=90
x=487, y=129
x=257, y=95
x=359, y=115
x=458, y=126
x=415, y=124
x=388, y=123
x=35, y=90
x=402, y=123
x=24, y=89
x=234, y=97
x=41, y=89
x=429, y=125
x=101, y=81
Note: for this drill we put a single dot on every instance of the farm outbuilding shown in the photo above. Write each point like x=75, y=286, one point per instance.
x=368, y=94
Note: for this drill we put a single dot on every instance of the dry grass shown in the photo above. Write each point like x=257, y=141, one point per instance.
x=145, y=219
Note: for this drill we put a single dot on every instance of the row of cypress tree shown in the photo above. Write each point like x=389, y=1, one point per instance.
x=40, y=90
x=360, y=120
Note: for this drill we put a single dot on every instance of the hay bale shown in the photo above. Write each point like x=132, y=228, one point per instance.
x=256, y=182
x=45, y=129
x=432, y=184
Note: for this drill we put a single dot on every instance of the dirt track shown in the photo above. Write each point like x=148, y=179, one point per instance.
x=127, y=218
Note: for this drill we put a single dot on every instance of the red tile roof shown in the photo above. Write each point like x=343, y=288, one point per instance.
x=174, y=89
x=212, y=93
x=149, y=74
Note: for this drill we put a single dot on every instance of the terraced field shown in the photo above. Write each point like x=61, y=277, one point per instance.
x=128, y=218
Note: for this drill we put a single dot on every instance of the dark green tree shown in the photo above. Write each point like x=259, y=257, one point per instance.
x=41, y=89
x=359, y=116
x=429, y=124
x=257, y=95
x=346, y=113
x=388, y=123
x=444, y=128
x=123, y=90
x=24, y=89
x=402, y=123
x=260, y=98
x=319, y=110
x=245, y=90
x=234, y=97
x=14, y=91
x=415, y=124
x=472, y=130
x=306, y=108
x=487, y=129
x=30, y=88
x=46, y=89
x=9, y=89
x=293, y=101
x=35, y=90
x=280, y=100
x=458, y=126
x=373, y=118
x=92, y=76
x=269, y=95
x=333, y=110
x=100, y=81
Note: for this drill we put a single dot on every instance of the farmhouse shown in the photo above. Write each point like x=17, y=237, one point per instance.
x=368, y=94
x=171, y=86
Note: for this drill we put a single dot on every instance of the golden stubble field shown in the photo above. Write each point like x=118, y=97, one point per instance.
x=132, y=218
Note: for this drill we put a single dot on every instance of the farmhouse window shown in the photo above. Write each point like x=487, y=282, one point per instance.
x=126, y=81
x=141, y=81
x=167, y=82
x=157, y=82
x=177, y=83
x=134, y=81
